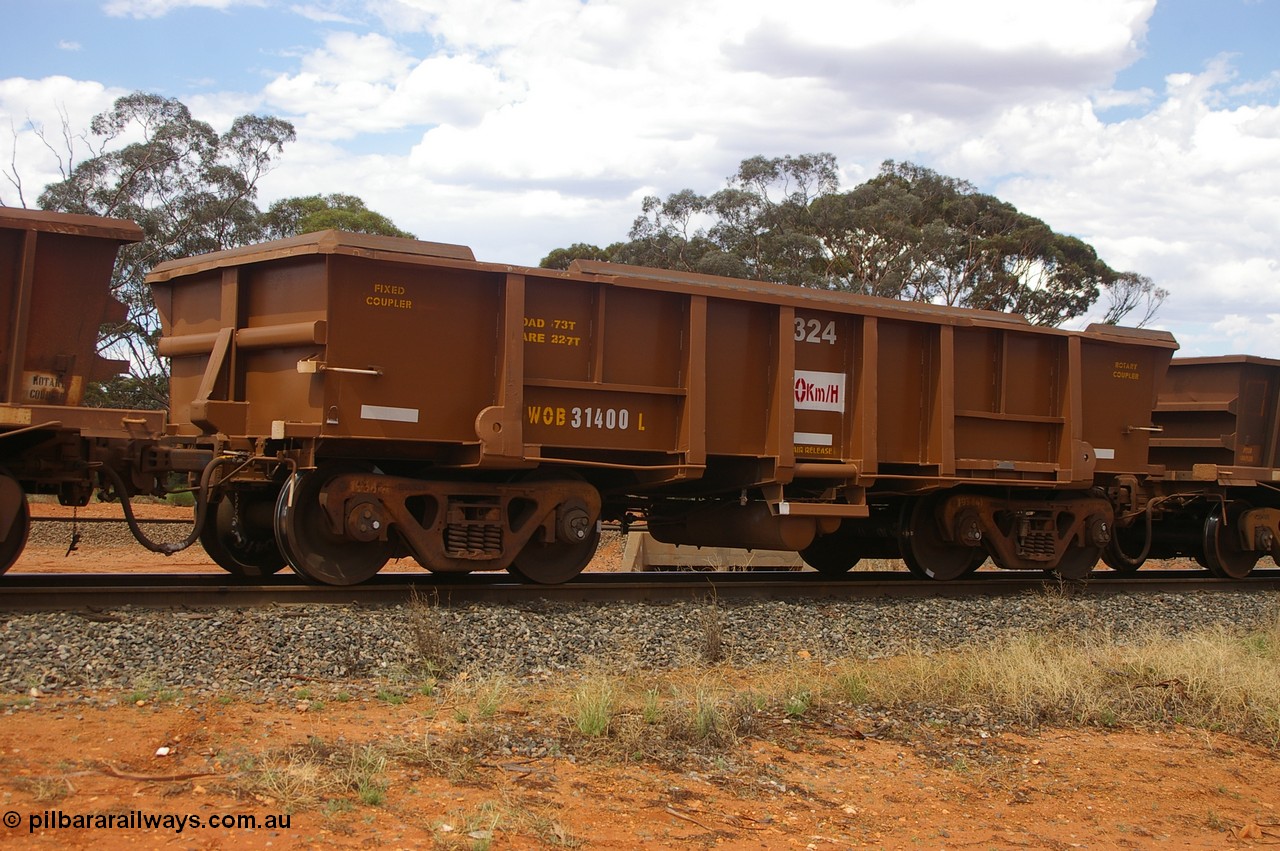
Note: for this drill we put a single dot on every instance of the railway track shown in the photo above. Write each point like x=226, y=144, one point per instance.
x=54, y=592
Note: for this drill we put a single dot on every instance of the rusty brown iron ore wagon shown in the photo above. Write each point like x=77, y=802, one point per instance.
x=55, y=276
x=372, y=398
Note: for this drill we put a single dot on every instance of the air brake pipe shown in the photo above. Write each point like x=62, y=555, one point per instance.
x=49, y=425
x=202, y=506
x=202, y=503
x=1137, y=560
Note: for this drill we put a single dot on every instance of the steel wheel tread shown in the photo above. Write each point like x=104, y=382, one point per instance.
x=557, y=562
x=1223, y=555
x=260, y=555
x=830, y=555
x=1077, y=562
x=15, y=537
x=312, y=550
x=926, y=553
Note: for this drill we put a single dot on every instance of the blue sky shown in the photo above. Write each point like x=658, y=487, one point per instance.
x=1150, y=128
x=1184, y=33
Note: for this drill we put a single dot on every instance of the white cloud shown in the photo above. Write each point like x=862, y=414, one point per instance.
x=360, y=84
x=560, y=112
x=321, y=14
x=39, y=124
x=564, y=106
x=1186, y=194
x=564, y=90
x=71, y=46
x=1233, y=333
x=160, y=8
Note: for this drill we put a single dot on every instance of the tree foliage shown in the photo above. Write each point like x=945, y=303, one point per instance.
x=908, y=233
x=294, y=216
x=191, y=190
x=560, y=258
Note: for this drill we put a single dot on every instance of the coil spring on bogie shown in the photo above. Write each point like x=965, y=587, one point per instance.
x=1037, y=539
x=1038, y=546
x=473, y=537
x=474, y=529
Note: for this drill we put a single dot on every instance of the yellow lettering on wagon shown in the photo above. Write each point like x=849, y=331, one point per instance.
x=1126, y=370
x=804, y=449
x=389, y=295
x=534, y=333
x=547, y=415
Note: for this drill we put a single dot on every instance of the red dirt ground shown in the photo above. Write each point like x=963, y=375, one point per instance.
x=809, y=787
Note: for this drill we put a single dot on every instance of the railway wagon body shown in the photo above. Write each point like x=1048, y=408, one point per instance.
x=1216, y=497
x=374, y=397
x=55, y=291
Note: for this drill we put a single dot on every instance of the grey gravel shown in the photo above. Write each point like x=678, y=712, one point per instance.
x=266, y=651
x=101, y=535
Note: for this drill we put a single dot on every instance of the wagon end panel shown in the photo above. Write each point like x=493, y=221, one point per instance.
x=1218, y=413
x=235, y=336
x=412, y=350
x=55, y=291
x=1256, y=416
x=1122, y=370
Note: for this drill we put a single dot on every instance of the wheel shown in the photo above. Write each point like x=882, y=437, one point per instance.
x=1119, y=553
x=926, y=553
x=15, y=535
x=1077, y=562
x=556, y=562
x=312, y=550
x=1223, y=554
x=235, y=542
x=830, y=555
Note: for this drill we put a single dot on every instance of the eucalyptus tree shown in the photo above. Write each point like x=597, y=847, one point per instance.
x=190, y=188
x=908, y=233
x=310, y=213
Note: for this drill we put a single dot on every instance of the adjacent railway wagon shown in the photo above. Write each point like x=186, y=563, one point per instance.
x=55, y=277
x=1215, y=496
x=370, y=398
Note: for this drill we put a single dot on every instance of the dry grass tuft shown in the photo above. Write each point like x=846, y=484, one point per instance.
x=304, y=776
x=1219, y=679
x=434, y=653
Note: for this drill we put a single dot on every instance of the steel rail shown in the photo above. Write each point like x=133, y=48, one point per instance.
x=67, y=592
